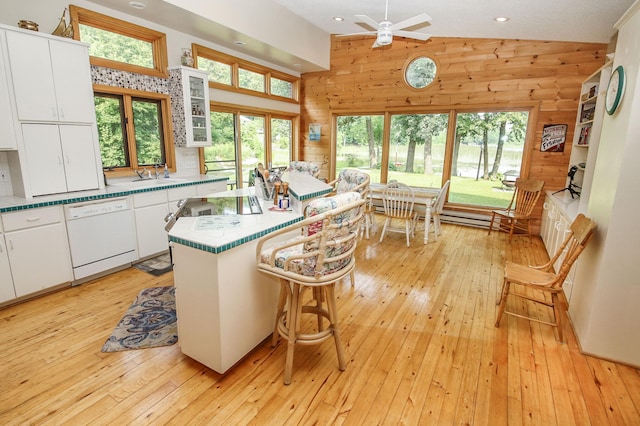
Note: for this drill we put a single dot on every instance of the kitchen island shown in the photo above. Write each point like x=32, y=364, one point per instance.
x=225, y=307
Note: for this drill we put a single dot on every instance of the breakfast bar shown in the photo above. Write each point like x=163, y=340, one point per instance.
x=225, y=308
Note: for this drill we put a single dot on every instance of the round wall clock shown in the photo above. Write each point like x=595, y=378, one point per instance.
x=615, y=90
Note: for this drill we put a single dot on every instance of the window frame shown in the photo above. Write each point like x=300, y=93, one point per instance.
x=529, y=140
x=167, y=128
x=268, y=114
x=157, y=40
x=236, y=64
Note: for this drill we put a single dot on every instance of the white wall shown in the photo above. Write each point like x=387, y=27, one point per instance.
x=605, y=304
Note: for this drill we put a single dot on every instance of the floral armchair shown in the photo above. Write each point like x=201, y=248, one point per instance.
x=355, y=180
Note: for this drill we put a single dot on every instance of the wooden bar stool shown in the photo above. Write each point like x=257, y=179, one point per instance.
x=320, y=257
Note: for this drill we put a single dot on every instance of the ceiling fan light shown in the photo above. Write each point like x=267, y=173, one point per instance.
x=385, y=37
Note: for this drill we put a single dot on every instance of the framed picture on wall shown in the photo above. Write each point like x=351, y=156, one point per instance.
x=314, y=132
x=553, y=137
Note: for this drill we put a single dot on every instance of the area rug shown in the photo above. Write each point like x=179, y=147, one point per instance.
x=149, y=322
x=156, y=266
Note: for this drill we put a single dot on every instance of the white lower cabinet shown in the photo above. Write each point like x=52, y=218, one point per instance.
x=211, y=188
x=38, y=249
x=150, y=210
x=7, y=292
x=60, y=158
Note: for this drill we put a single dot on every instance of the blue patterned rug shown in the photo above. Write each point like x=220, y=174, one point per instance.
x=149, y=322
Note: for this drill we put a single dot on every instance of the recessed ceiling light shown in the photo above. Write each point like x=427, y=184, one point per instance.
x=501, y=18
x=239, y=43
x=137, y=5
x=338, y=18
x=297, y=65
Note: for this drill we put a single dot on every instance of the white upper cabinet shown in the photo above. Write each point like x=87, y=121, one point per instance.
x=51, y=79
x=189, y=89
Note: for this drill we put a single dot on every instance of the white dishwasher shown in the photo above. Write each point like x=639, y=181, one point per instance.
x=101, y=235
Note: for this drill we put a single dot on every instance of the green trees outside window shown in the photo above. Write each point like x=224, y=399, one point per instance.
x=485, y=146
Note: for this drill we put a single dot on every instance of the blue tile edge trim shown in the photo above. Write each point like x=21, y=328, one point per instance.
x=232, y=244
x=72, y=200
x=312, y=195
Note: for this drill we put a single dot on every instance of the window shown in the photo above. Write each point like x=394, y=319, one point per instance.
x=486, y=146
x=251, y=80
x=281, y=88
x=243, y=137
x=419, y=150
x=220, y=157
x=359, y=144
x=140, y=49
x=420, y=72
x=219, y=72
x=227, y=72
x=416, y=149
x=281, y=141
x=130, y=128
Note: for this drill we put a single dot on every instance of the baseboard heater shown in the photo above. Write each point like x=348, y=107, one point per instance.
x=450, y=216
x=465, y=218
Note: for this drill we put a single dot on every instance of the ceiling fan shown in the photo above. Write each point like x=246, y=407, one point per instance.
x=386, y=30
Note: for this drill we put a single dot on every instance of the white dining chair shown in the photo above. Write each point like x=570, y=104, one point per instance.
x=398, y=200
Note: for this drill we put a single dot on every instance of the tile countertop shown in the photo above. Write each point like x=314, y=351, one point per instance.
x=216, y=234
x=304, y=186
x=567, y=205
x=115, y=188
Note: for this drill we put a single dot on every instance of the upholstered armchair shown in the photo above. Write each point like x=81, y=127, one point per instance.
x=307, y=167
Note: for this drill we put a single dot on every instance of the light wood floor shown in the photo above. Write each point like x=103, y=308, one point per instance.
x=420, y=340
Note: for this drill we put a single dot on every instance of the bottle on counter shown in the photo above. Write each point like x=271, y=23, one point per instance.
x=284, y=202
x=276, y=193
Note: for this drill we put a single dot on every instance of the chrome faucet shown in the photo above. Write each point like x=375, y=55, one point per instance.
x=141, y=174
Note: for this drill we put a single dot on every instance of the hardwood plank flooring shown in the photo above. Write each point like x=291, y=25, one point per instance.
x=419, y=335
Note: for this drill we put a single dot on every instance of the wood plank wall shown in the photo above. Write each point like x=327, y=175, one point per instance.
x=472, y=73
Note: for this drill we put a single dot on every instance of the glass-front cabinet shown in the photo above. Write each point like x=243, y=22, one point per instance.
x=189, y=90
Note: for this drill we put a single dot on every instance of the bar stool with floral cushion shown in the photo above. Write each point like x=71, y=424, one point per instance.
x=318, y=257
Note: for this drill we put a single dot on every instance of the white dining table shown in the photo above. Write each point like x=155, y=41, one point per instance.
x=423, y=196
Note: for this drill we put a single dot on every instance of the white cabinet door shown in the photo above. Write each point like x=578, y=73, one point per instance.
x=189, y=89
x=39, y=258
x=44, y=159
x=72, y=78
x=33, y=84
x=51, y=79
x=152, y=238
x=60, y=158
x=7, y=292
x=78, y=153
x=7, y=129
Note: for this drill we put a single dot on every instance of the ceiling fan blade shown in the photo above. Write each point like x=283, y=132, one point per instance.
x=412, y=34
x=418, y=19
x=356, y=34
x=368, y=21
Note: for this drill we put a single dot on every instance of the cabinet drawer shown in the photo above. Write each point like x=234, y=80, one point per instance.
x=149, y=198
x=32, y=218
x=176, y=194
x=211, y=188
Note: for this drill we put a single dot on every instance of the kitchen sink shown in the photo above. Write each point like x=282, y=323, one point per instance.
x=143, y=183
